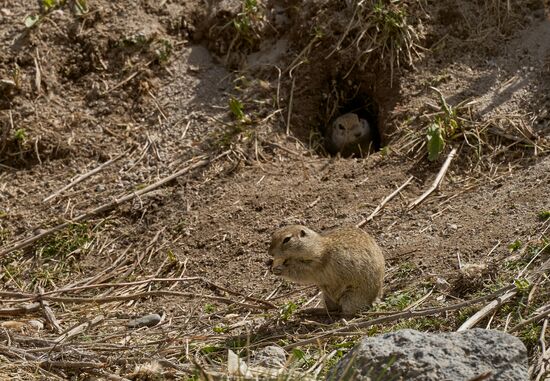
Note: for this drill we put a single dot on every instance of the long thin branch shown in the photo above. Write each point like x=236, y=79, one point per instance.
x=537, y=317
x=384, y=202
x=108, y=206
x=437, y=180
x=85, y=176
x=21, y=310
x=28, y=296
x=475, y=318
x=118, y=298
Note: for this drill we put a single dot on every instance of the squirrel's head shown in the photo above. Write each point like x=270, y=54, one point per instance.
x=295, y=251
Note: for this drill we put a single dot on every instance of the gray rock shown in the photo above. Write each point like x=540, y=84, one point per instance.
x=145, y=321
x=269, y=357
x=412, y=355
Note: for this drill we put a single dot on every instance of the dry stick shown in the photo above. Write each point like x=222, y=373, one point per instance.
x=84, y=177
x=108, y=206
x=535, y=318
x=108, y=285
x=437, y=181
x=21, y=310
x=349, y=329
x=543, y=364
x=79, y=329
x=384, y=202
x=48, y=313
x=129, y=78
x=117, y=298
x=475, y=318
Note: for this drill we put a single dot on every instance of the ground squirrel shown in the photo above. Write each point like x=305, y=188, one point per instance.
x=346, y=264
x=349, y=135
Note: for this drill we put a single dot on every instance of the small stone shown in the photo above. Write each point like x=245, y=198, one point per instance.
x=145, y=321
x=453, y=226
x=36, y=324
x=272, y=356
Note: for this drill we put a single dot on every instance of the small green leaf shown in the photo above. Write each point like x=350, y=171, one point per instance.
x=522, y=284
x=31, y=20
x=48, y=4
x=544, y=215
x=20, y=134
x=516, y=245
x=236, y=108
x=436, y=143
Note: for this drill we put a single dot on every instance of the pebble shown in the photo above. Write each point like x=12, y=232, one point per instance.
x=145, y=321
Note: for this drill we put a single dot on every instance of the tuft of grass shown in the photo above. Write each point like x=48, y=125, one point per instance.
x=514, y=246
x=209, y=308
x=20, y=135
x=381, y=27
x=544, y=215
x=75, y=238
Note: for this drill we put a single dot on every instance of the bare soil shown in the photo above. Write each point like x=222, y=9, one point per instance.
x=151, y=82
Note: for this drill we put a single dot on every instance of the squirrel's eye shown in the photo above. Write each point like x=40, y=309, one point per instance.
x=286, y=239
x=302, y=233
x=341, y=127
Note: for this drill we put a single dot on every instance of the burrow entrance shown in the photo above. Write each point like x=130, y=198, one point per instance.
x=362, y=131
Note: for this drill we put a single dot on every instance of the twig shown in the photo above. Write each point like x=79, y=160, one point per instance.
x=537, y=317
x=290, y=104
x=48, y=313
x=20, y=310
x=543, y=364
x=108, y=206
x=79, y=329
x=349, y=329
x=84, y=176
x=437, y=180
x=129, y=78
x=118, y=298
x=475, y=318
x=384, y=202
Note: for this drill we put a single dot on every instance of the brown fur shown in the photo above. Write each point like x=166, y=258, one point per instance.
x=346, y=264
x=349, y=135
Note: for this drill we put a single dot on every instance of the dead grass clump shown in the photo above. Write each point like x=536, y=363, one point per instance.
x=480, y=143
x=236, y=29
x=380, y=29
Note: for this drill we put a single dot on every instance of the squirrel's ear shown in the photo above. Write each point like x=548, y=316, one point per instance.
x=303, y=233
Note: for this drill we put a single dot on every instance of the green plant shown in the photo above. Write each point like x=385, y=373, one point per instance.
x=246, y=22
x=522, y=284
x=444, y=127
x=20, y=135
x=209, y=308
x=75, y=237
x=544, y=215
x=516, y=245
x=399, y=300
x=237, y=109
x=435, y=141
x=287, y=310
x=220, y=329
